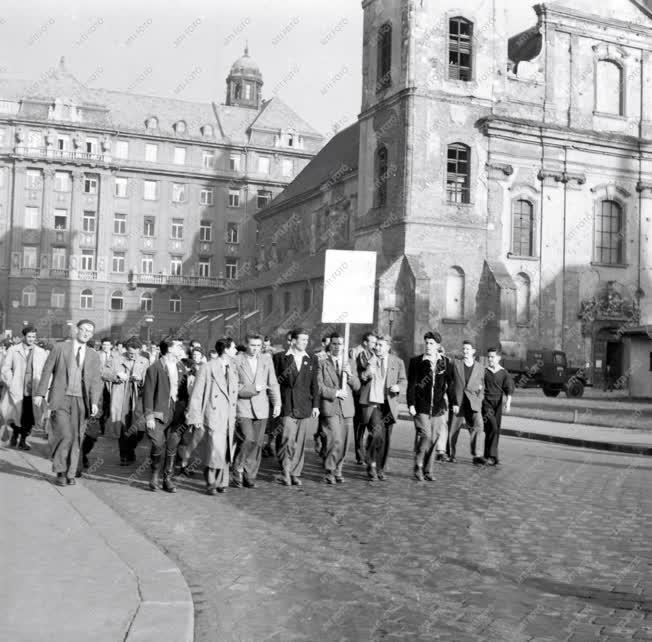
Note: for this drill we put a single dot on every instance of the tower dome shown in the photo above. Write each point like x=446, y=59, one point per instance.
x=244, y=83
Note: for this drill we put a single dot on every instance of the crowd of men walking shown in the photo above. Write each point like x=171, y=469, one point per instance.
x=221, y=411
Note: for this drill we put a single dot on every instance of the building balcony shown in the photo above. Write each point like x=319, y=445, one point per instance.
x=87, y=275
x=59, y=273
x=30, y=271
x=58, y=154
x=137, y=278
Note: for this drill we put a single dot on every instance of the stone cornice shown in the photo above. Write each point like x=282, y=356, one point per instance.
x=499, y=171
x=561, y=177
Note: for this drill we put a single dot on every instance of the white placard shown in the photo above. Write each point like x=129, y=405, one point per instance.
x=349, y=287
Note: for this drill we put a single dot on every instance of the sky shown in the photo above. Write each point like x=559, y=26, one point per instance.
x=309, y=51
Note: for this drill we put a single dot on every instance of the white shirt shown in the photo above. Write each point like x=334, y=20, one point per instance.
x=81, y=348
x=337, y=363
x=297, y=356
x=253, y=364
x=173, y=375
x=377, y=389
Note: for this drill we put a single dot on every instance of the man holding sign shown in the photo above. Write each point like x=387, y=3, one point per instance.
x=336, y=408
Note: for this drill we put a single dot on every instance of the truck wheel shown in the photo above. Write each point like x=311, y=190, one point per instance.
x=575, y=389
x=548, y=391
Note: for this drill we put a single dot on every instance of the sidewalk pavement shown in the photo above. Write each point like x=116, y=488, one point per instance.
x=615, y=439
x=74, y=570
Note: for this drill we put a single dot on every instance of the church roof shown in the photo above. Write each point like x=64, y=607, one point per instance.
x=338, y=157
x=291, y=270
x=275, y=114
x=245, y=65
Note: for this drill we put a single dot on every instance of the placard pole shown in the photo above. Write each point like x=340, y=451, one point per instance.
x=345, y=355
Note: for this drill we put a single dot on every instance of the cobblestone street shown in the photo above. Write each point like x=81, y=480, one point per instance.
x=552, y=545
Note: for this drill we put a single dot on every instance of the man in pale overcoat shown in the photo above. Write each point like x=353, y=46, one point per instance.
x=21, y=374
x=258, y=388
x=336, y=408
x=211, y=412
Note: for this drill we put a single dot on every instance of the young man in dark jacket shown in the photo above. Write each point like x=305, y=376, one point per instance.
x=430, y=384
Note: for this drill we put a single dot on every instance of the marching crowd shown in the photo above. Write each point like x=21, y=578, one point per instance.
x=222, y=410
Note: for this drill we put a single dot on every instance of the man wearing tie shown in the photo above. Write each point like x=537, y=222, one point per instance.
x=296, y=372
x=212, y=412
x=165, y=398
x=336, y=407
x=74, y=397
x=383, y=380
x=430, y=381
x=257, y=388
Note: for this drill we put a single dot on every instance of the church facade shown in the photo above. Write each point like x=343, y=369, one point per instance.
x=504, y=180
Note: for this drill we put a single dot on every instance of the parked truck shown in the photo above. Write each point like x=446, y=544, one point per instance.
x=546, y=369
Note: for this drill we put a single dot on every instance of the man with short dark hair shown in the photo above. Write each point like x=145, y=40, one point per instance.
x=430, y=382
x=383, y=381
x=257, y=389
x=361, y=355
x=469, y=393
x=21, y=374
x=74, y=396
x=498, y=384
x=336, y=407
x=296, y=372
x=165, y=398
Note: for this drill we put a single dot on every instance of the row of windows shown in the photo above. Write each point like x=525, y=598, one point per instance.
x=118, y=260
x=609, y=76
x=87, y=300
x=62, y=183
x=32, y=221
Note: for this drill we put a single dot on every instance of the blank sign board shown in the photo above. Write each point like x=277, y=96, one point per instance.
x=349, y=286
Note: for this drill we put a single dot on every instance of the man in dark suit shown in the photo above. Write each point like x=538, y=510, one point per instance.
x=382, y=382
x=296, y=372
x=430, y=383
x=469, y=393
x=75, y=395
x=361, y=355
x=165, y=398
x=336, y=408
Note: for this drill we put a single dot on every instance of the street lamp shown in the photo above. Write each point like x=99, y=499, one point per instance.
x=390, y=313
x=149, y=320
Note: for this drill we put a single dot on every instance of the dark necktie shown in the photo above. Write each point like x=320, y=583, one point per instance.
x=382, y=369
x=78, y=357
x=226, y=376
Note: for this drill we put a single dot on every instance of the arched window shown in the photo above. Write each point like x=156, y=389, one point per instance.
x=117, y=301
x=522, y=228
x=175, y=303
x=151, y=123
x=86, y=299
x=455, y=293
x=381, y=176
x=146, y=302
x=207, y=130
x=460, y=49
x=57, y=298
x=458, y=173
x=609, y=88
x=384, y=66
x=237, y=90
x=29, y=296
x=522, y=298
x=180, y=127
x=609, y=233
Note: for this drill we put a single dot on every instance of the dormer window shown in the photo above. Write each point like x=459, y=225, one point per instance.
x=207, y=131
x=151, y=123
x=180, y=127
x=290, y=140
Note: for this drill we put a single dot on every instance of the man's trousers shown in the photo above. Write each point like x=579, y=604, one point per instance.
x=379, y=424
x=68, y=425
x=250, y=435
x=336, y=430
x=473, y=421
x=492, y=413
x=292, y=446
x=431, y=438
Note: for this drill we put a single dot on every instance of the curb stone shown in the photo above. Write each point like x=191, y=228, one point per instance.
x=166, y=609
x=631, y=449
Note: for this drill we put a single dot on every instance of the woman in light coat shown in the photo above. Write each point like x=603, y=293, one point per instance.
x=211, y=412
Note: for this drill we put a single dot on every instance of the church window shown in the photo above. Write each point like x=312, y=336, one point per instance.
x=609, y=88
x=609, y=233
x=522, y=228
x=460, y=48
x=384, y=66
x=381, y=176
x=237, y=91
x=455, y=293
x=457, y=174
x=522, y=298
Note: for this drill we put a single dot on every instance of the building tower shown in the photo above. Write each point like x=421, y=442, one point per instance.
x=244, y=83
